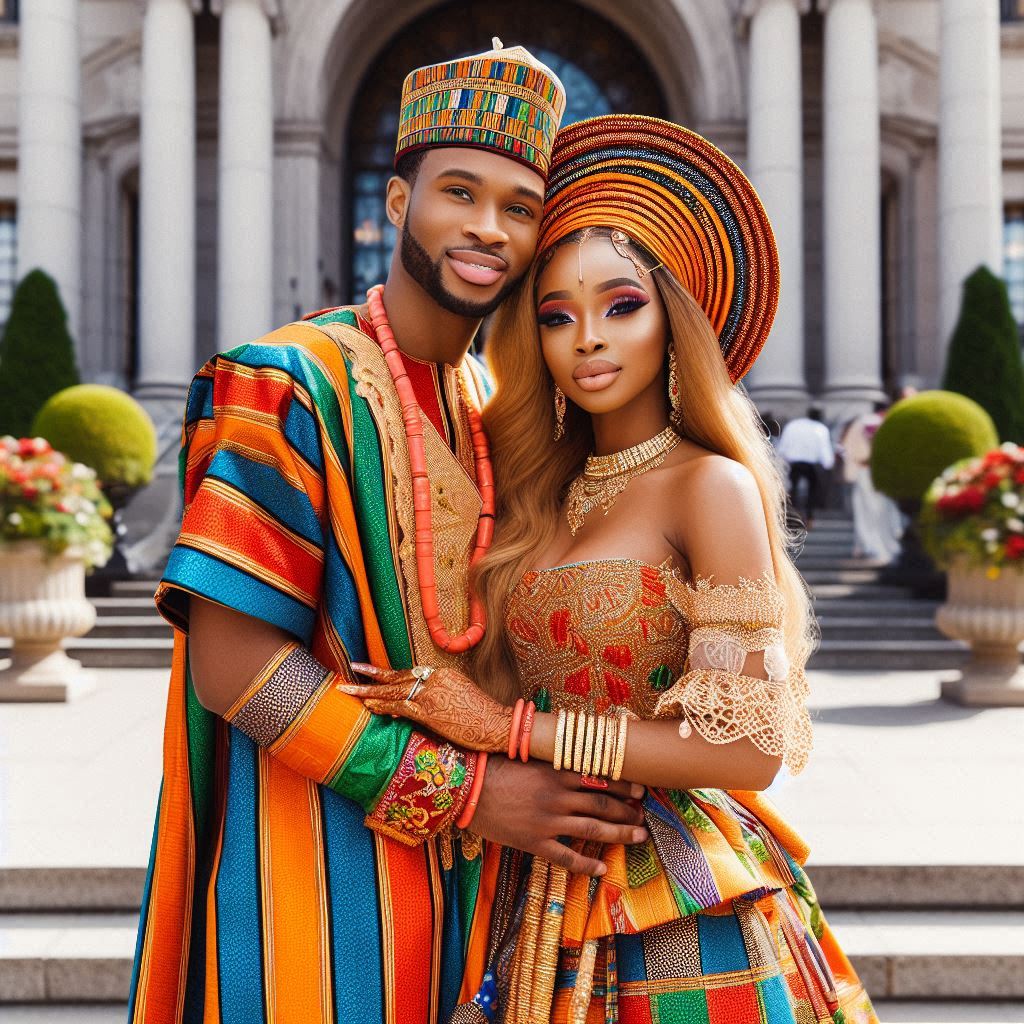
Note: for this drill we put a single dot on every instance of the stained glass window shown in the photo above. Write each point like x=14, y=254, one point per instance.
x=551, y=32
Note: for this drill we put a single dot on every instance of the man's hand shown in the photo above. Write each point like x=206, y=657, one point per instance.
x=528, y=806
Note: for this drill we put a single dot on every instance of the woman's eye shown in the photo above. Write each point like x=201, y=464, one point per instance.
x=627, y=304
x=554, y=318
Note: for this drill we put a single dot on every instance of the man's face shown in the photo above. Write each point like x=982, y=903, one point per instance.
x=469, y=227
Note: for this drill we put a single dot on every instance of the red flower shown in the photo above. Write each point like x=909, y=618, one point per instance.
x=26, y=447
x=578, y=682
x=996, y=458
x=1015, y=547
x=973, y=499
x=618, y=655
x=1019, y=477
x=993, y=479
x=30, y=492
x=558, y=625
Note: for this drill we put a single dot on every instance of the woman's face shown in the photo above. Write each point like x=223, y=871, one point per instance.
x=604, y=339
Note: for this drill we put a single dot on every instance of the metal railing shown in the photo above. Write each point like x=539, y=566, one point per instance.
x=1011, y=10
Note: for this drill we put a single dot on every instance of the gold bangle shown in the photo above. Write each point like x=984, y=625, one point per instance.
x=570, y=730
x=620, y=747
x=556, y=757
x=577, y=753
x=588, y=745
x=595, y=767
x=609, y=746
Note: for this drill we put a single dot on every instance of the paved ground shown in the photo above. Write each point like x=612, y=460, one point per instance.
x=897, y=776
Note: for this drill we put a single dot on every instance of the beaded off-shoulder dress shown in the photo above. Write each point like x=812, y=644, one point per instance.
x=712, y=919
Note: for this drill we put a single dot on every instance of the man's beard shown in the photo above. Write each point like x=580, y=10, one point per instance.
x=427, y=274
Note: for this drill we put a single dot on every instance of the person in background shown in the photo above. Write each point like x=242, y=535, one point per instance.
x=806, y=445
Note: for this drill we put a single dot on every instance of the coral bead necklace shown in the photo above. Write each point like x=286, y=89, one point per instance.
x=412, y=417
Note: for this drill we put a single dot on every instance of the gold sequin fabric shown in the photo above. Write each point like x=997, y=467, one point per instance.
x=597, y=636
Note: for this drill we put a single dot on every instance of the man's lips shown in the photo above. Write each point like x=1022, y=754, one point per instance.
x=595, y=374
x=480, y=268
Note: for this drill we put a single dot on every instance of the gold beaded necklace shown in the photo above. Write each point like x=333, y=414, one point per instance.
x=604, y=477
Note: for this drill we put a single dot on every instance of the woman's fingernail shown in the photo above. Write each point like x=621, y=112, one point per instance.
x=602, y=868
x=636, y=791
x=639, y=835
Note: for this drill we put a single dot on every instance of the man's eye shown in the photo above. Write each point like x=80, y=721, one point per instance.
x=461, y=193
x=521, y=211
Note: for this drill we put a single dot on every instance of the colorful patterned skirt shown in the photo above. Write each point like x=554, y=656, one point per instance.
x=712, y=921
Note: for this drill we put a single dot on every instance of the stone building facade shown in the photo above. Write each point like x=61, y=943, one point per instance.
x=195, y=172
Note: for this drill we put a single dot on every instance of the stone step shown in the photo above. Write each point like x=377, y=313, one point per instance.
x=955, y=954
x=839, y=887
x=134, y=588
x=123, y=605
x=816, y=577
x=876, y=607
x=127, y=626
x=863, y=628
x=128, y=652
x=860, y=591
x=882, y=655
x=899, y=954
x=898, y=1011
x=813, y=562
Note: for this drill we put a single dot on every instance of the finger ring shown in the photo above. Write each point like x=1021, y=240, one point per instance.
x=422, y=672
x=591, y=782
x=417, y=683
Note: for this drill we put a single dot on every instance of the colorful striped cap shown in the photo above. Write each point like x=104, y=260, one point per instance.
x=504, y=100
x=686, y=202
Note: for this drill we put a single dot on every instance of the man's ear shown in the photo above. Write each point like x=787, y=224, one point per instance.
x=396, y=200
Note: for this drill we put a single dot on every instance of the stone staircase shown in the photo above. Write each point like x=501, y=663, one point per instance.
x=866, y=623
x=920, y=938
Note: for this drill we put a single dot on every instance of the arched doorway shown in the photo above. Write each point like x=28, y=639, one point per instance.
x=606, y=75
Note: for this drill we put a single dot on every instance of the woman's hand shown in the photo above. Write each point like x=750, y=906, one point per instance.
x=443, y=700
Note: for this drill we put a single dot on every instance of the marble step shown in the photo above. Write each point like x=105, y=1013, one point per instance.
x=860, y=591
x=815, y=576
x=134, y=588
x=883, y=655
x=69, y=889
x=119, y=652
x=123, y=605
x=836, y=627
x=138, y=626
x=899, y=954
x=876, y=607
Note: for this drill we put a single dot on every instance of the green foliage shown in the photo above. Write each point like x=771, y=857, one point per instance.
x=984, y=358
x=104, y=428
x=37, y=355
x=46, y=497
x=924, y=434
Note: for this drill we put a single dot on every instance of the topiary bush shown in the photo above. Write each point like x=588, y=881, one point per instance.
x=104, y=428
x=922, y=435
x=984, y=359
x=37, y=355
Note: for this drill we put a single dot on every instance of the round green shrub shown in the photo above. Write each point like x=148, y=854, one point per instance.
x=922, y=435
x=104, y=428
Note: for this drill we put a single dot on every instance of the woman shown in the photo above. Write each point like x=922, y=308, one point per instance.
x=651, y=612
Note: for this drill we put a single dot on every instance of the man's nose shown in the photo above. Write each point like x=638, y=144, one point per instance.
x=487, y=230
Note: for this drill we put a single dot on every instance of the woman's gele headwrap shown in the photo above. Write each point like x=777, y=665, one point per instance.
x=685, y=201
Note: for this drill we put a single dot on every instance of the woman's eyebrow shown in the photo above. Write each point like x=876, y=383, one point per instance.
x=618, y=282
x=554, y=295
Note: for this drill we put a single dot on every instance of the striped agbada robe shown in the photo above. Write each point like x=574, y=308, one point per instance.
x=297, y=886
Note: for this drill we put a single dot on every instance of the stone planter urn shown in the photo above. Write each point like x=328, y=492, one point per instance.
x=989, y=615
x=42, y=601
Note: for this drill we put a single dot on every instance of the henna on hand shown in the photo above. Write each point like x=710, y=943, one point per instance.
x=446, y=702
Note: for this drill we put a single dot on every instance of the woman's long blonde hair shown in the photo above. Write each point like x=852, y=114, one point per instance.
x=533, y=471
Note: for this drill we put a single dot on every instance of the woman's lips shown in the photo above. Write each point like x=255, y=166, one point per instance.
x=596, y=374
x=477, y=267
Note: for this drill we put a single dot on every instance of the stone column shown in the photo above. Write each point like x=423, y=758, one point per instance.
x=50, y=148
x=970, y=159
x=167, y=199
x=775, y=165
x=852, y=190
x=245, y=201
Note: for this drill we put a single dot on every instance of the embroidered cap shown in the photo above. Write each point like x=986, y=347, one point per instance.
x=686, y=202
x=504, y=100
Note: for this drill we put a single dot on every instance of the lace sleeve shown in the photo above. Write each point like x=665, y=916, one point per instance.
x=721, y=703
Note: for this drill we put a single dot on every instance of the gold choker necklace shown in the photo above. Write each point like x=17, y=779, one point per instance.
x=604, y=477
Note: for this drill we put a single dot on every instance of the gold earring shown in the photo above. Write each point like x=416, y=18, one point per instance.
x=559, y=413
x=673, y=382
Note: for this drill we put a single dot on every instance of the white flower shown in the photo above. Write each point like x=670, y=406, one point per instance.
x=40, y=444
x=88, y=506
x=1009, y=446
x=81, y=518
x=990, y=536
x=1011, y=499
x=79, y=471
x=15, y=519
x=1015, y=524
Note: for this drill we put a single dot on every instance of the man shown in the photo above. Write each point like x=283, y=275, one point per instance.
x=304, y=866
x=806, y=445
